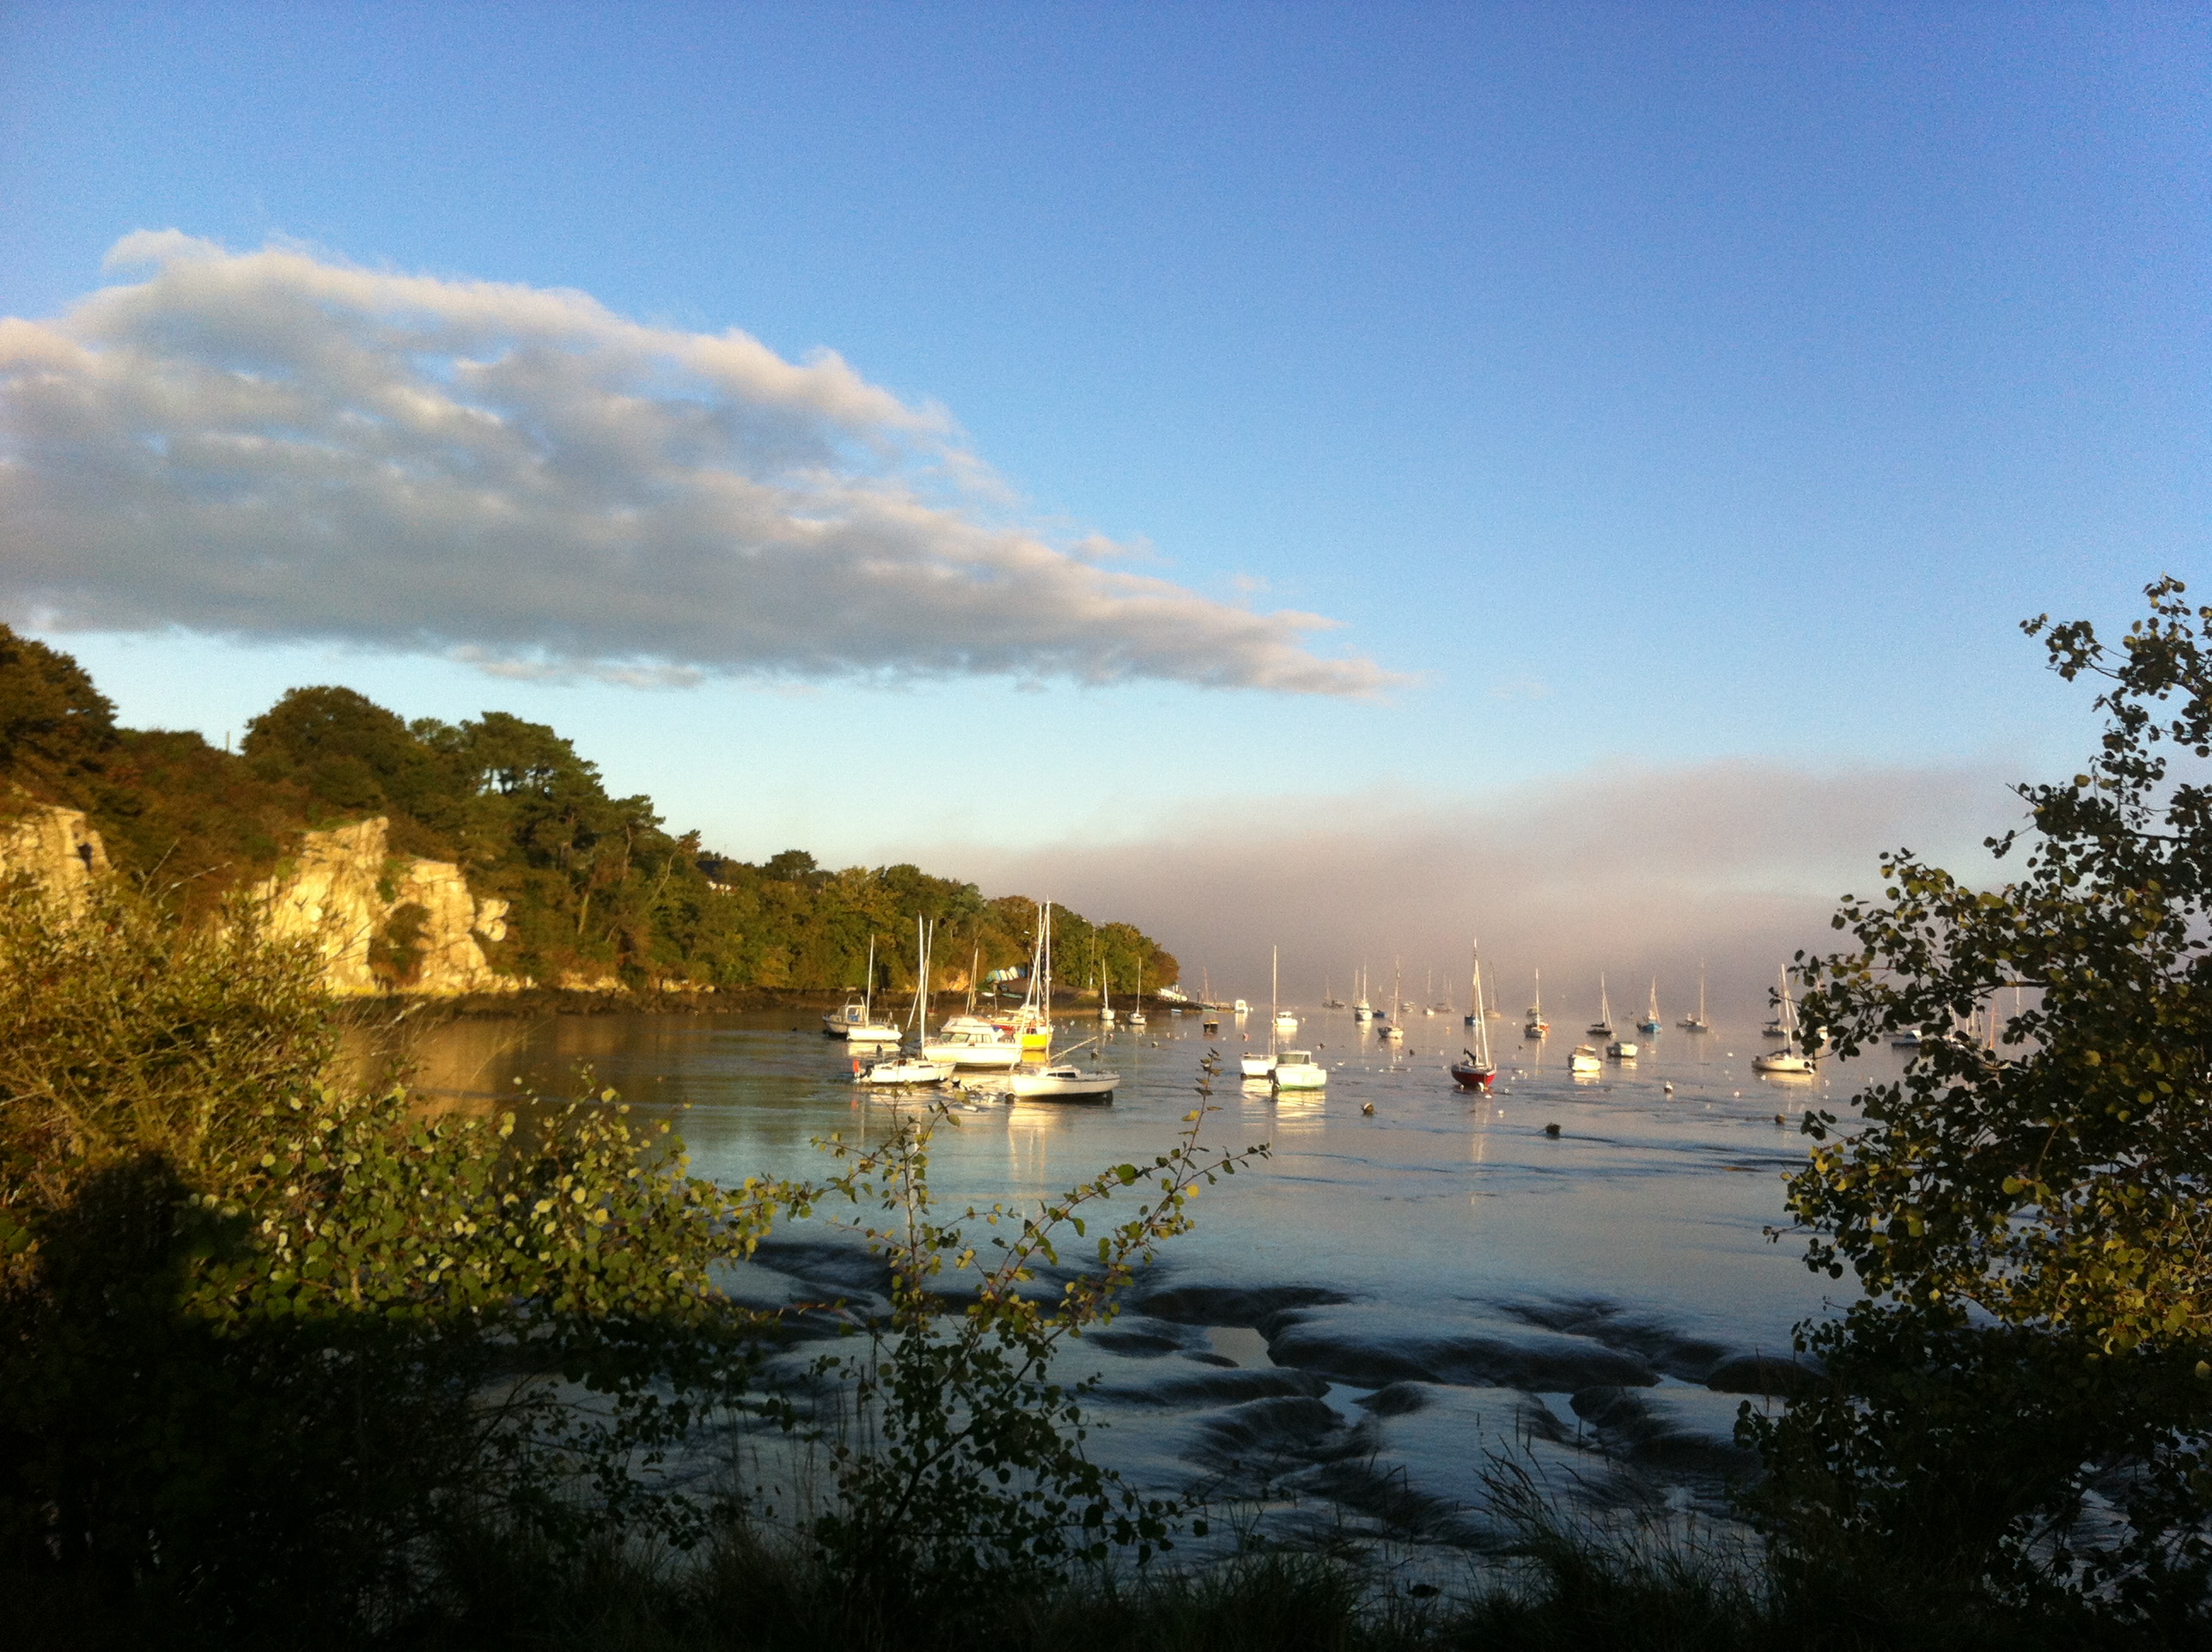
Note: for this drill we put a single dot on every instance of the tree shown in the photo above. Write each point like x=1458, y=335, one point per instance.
x=2029, y=1214
x=54, y=724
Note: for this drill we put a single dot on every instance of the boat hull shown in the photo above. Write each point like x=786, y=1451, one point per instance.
x=904, y=1072
x=1473, y=1076
x=1307, y=1076
x=1063, y=1086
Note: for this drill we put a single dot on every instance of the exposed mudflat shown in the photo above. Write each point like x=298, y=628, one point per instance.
x=1373, y=1330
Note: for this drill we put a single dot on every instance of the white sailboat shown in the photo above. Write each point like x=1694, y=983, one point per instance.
x=1602, y=1027
x=1390, y=1028
x=1361, y=1009
x=856, y=1022
x=1105, y=993
x=1651, y=1023
x=1535, y=1026
x=916, y=1069
x=1048, y=1080
x=1137, y=1015
x=1698, y=1023
x=1478, y=1070
x=1789, y=1061
x=1260, y=1066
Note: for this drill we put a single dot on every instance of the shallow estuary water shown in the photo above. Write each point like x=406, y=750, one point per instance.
x=1362, y=1320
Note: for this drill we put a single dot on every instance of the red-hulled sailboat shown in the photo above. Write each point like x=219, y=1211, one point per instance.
x=1478, y=1071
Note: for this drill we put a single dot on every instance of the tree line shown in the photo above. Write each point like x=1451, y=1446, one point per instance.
x=597, y=885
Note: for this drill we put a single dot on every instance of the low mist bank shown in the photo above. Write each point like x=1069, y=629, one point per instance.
x=1638, y=872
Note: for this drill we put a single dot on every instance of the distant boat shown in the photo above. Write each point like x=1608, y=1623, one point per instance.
x=1602, y=1027
x=1583, y=1060
x=1262, y=1066
x=1137, y=1015
x=1905, y=1041
x=1697, y=1022
x=857, y=1021
x=1361, y=1009
x=1789, y=1061
x=1536, y=1026
x=1652, y=1023
x=1298, y=1070
x=1105, y=993
x=1478, y=1071
x=1620, y=1049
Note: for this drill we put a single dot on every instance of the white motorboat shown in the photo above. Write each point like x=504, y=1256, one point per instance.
x=1621, y=1049
x=856, y=1022
x=1298, y=1070
x=1256, y=1064
x=968, y=1041
x=1583, y=1060
x=1285, y=1021
x=1241, y=1007
x=1790, y=1062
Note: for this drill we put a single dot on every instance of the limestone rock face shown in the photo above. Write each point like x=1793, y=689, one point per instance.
x=384, y=923
x=56, y=846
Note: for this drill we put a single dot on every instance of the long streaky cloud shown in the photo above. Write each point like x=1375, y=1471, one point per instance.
x=273, y=444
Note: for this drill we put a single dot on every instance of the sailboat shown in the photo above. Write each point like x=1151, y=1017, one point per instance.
x=857, y=1021
x=1049, y=1080
x=1789, y=1061
x=1536, y=1026
x=1651, y=1023
x=1697, y=1022
x=1390, y=1030
x=1478, y=1071
x=1105, y=992
x=1137, y=1015
x=1259, y=1066
x=1602, y=1027
x=1361, y=1009
x=1329, y=1000
x=918, y=1068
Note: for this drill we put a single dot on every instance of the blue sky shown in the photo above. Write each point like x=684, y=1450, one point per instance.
x=1647, y=387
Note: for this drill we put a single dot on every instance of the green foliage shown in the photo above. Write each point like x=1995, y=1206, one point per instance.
x=971, y=1475
x=54, y=724
x=2053, y=1188
x=260, y=1343
x=595, y=886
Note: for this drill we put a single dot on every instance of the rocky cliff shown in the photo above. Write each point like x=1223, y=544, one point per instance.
x=56, y=846
x=384, y=923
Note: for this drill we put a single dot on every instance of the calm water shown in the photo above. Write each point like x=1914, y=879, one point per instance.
x=1510, y=1284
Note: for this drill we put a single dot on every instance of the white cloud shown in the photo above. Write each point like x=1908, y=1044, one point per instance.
x=274, y=445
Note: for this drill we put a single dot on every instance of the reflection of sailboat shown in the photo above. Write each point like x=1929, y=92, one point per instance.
x=857, y=1021
x=1602, y=1027
x=1651, y=1023
x=1789, y=1061
x=1477, y=1072
x=1697, y=1022
x=1259, y=1066
x=1536, y=1026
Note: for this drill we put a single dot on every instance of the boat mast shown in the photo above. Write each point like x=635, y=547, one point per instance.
x=868, y=987
x=1274, y=992
x=1481, y=1021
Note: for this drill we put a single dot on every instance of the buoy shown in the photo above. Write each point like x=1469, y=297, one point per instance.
x=1666, y=1089
x=1551, y=1130
x=1368, y=1109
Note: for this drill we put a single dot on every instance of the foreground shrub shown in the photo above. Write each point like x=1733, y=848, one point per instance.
x=260, y=1343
